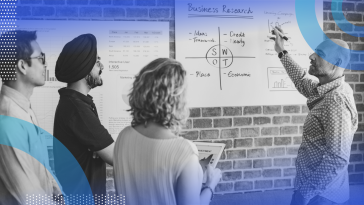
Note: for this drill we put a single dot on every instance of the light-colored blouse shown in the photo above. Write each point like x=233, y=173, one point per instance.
x=146, y=169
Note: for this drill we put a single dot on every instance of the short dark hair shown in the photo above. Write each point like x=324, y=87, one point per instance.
x=15, y=46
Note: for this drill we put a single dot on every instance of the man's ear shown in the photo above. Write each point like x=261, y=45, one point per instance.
x=22, y=66
x=338, y=62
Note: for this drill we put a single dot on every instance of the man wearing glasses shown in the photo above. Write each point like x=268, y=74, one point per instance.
x=20, y=172
x=76, y=123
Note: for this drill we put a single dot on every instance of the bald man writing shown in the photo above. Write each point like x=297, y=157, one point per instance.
x=323, y=157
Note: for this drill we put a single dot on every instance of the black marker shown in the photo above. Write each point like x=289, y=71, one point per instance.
x=284, y=37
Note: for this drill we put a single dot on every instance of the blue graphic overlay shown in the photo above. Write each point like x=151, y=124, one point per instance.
x=311, y=30
x=7, y=47
x=339, y=16
x=17, y=129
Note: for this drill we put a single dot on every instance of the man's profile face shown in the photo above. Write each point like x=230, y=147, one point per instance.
x=35, y=74
x=94, y=78
x=319, y=66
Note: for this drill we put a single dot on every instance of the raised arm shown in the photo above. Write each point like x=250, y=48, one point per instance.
x=298, y=75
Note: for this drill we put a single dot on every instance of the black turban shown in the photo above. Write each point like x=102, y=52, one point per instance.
x=77, y=59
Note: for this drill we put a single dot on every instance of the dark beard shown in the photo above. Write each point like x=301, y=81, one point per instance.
x=93, y=82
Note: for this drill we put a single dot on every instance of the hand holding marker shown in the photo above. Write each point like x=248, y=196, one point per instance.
x=280, y=34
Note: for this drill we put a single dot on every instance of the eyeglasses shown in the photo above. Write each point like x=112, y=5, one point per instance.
x=42, y=57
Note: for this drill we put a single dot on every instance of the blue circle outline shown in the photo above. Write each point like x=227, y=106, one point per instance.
x=310, y=28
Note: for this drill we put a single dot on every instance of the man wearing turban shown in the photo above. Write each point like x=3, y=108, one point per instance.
x=76, y=123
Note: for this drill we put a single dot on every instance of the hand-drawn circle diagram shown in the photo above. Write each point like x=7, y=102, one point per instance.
x=219, y=56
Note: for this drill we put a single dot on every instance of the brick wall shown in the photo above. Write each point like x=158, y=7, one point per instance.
x=261, y=141
x=354, y=13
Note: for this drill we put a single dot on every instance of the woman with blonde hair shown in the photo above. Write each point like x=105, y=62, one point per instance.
x=152, y=164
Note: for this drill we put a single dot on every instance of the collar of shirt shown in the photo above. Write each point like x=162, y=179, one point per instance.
x=323, y=89
x=75, y=94
x=16, y=96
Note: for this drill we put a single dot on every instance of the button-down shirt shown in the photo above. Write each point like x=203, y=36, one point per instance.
x=328, y=131
x=21, y=173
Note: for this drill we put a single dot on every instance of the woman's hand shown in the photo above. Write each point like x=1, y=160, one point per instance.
x=213, y=176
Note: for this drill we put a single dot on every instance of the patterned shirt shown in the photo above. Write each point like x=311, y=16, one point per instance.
x=328, y=131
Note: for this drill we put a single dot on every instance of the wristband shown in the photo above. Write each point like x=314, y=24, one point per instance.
x=208, y=187
x=282, y=53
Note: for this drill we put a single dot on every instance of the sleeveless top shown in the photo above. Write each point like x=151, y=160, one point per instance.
x=146, y=169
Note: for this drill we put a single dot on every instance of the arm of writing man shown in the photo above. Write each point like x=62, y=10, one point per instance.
x=338, y=127
x=18, y=168
x=299, y=76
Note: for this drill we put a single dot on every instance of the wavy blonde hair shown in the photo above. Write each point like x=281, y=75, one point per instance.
x=158, y=95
